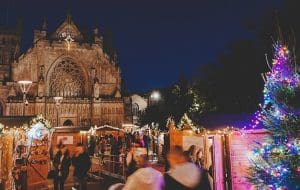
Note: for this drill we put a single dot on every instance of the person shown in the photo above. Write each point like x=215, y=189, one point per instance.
x=130, y=162
x=102, y=149
x=61, y=164
x=114, y=151
x=165, y=150
x=91, y=145
x=146, y=140
x=191, y=154
x=82, y=164
x=141, y=141
x=176, y=177
x=155, y=143
x=145, y=178
x=204, y=182
x=199, y=160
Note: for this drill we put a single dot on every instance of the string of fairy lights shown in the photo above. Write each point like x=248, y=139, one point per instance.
x=280, y=72
x=186, y=122
x=274, y=161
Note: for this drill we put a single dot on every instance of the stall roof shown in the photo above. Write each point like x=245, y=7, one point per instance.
x=108, y=128
x=215, y=121
x=71, y=128
x=15, y=121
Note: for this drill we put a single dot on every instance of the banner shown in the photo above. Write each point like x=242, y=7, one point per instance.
x=65, y=139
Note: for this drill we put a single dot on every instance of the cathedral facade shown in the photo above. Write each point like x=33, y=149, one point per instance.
x=61, y=64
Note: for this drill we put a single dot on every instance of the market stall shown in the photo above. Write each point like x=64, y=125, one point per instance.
x=106, y=130
x=104, y=137
x=226, y=151
x=25, y=154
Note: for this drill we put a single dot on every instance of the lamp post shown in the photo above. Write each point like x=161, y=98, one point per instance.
x=58, y=100
x=155, y=97
x=24, y=86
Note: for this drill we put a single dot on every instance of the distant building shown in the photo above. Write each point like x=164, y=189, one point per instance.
x=138, y=105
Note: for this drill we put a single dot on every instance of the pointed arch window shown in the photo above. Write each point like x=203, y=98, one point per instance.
x=67, y=80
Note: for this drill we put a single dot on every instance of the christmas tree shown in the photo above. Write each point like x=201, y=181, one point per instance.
x=275, y=163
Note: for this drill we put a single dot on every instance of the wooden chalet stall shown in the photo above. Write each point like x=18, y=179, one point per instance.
x=25, y=153
x=106, y=130
x=226, y=149
x=8, y=125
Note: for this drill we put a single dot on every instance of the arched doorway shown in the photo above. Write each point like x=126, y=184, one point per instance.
x=68, y=122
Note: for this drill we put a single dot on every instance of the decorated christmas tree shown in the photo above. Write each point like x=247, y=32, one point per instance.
x=276, y=161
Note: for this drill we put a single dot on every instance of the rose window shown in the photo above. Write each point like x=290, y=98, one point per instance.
x=67, y=80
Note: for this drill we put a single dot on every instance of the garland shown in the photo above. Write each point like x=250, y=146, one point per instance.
x=39, y=119
x=93, y=130
x=185, y=121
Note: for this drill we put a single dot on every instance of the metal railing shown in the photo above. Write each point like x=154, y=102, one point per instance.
x=113, y=165
x=109, y=165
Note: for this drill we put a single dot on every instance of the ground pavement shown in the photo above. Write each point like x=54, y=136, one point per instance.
x=103, y=184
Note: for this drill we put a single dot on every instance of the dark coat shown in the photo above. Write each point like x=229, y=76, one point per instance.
x=82, y=165
x=172, y=184
x=65, y=165
x=204, y=182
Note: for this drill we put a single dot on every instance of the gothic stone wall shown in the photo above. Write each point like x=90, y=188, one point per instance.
x=41, y=60
x=79, y=112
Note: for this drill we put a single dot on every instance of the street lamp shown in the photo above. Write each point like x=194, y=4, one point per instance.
x=58, y=100
x=155, y=96
x=24, y=86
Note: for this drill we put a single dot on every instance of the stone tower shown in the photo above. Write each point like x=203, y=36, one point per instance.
x=9, y=49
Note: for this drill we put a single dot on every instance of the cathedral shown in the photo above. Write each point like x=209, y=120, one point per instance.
x=69, y=79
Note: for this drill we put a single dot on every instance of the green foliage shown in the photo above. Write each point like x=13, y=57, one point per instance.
x=176, y=101
x=287, y=96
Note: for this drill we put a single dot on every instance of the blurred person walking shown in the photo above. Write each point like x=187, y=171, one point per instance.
x=82, y=164
x=61, y=164
x=144, y=178
x=183, y=174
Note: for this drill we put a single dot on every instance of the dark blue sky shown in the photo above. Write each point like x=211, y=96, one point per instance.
x=156, y=40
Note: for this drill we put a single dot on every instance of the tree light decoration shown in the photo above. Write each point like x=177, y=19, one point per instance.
x=276, y=162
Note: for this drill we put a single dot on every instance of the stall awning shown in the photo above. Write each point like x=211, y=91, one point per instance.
x=63, y=129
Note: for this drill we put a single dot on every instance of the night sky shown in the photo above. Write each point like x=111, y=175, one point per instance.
x=156, y=40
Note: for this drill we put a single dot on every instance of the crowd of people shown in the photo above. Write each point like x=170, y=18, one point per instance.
x=117, y=142
x=183, y=174
x=117, y=146
x=139, y=173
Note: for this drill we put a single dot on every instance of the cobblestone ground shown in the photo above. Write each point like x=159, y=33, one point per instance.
x=104, y=184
